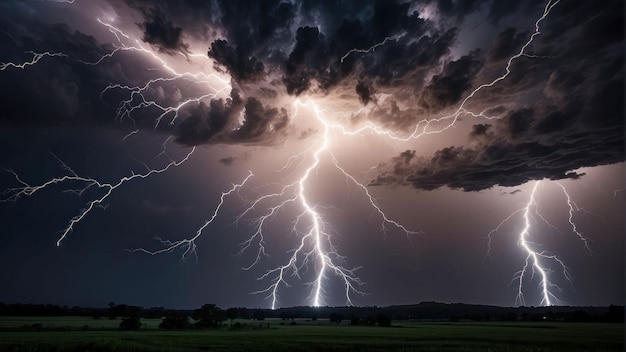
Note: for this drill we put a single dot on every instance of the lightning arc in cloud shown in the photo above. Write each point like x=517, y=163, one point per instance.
x=373, y=47
x=315, y=255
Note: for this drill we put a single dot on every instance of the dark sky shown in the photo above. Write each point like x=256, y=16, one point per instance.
x=380, y=143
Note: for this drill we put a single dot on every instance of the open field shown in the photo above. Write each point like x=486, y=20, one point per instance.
x=314, y=336
x=71, y=323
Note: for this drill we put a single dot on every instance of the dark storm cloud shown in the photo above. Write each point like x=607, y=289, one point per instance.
x=234, y=120
x=227, y=161
x=448, y=87
x=61, y=88
x=268, y=47
x=160, y=32
x=205, y=122
x=299, y=47
x=236, y=62
x=501, y=9
x=461, y=8
x=519, y=148
x=407, y=63
x=259, y=122
x=364, y=91
x=302, y=63
x=506, y=44
x=251, y=25
x=303, y=43
x=574, y=78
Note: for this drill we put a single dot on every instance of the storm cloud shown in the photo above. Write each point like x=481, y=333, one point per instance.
x=162, y=33
x=407, y=62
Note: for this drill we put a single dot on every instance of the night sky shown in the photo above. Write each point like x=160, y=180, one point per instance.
x=282, y=153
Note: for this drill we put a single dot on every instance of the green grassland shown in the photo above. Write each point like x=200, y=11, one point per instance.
x=72, y=334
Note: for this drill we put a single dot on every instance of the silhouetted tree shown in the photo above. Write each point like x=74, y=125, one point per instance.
x=258, y=315
x=287, y=315
x=383, y=320
x=511, y=316
x=615, y=314
x=354, y=320
x=477, y=317
x=580, y=316
x=154, y=312
x=111, y=311
x=232, y=313
x=130, y=323
x=208, y=316
x=335, y=318
x=174, y=320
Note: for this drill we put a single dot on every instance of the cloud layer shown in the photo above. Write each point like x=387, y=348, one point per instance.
x=561, y=107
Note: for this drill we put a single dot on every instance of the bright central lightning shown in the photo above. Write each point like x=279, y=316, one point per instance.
x=315, y=244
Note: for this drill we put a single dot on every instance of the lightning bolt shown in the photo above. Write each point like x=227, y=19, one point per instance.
x=125, y=43
x=536, y=259
x=315, y=247
x=26, y=189
x=136, y=98
x=373, y=47
x=190, y=243
x=440, y=124
x=33, y=61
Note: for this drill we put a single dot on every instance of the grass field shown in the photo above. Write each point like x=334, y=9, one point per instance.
x=315, y=336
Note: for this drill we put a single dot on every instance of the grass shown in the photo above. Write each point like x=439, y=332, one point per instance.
x=70, y=323
x=321, y=336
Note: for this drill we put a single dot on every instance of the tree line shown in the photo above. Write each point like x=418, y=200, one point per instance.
x=210, y=316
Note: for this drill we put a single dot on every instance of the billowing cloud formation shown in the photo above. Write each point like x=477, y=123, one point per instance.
x=576, y=121
x=406, y=62
x=510, y=152
x=162, y=33
x=448, y=87
x=219, y=122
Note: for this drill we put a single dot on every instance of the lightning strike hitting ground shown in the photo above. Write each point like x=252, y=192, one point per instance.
x=315, y=255
x=316, y=246
x=537, y=260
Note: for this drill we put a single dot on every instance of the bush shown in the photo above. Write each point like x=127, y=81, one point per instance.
x=130, y=323
x=335, y=318
x=175, y=321
x=383, y=320
x=258, y=315
x=354, y=320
